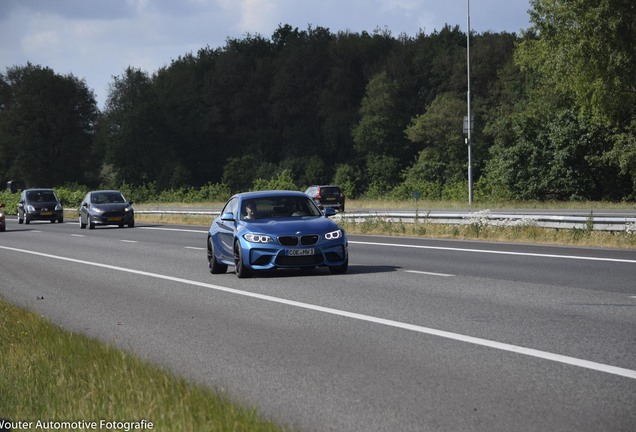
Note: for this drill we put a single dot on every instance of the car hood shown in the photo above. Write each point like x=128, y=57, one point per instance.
x=111, y=206
x=39, y=204
x=290, y=226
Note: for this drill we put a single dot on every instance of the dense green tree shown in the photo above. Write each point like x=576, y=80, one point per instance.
x=439, y=133
x=557, y=156
x=554, y=112
x=47, y=123
x=377, y=132
x=131, y=132
x=586, y=49
x=192, y=124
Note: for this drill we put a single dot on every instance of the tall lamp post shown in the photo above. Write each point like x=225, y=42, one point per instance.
x=468, y=123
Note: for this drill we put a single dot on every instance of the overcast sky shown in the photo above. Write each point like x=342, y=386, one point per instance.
x=96, y=39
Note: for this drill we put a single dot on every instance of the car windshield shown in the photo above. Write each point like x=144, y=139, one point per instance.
x=41, y=196
x=107, y=198
x=278, y=207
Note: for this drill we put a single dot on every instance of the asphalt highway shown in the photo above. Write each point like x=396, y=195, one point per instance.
x=419, y=335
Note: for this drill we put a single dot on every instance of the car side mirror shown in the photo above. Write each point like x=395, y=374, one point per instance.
x=85, y=204
x=131, y=202
x=329, y=212
x=227, y=216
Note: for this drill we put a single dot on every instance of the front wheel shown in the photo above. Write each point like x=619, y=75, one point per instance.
x=213, y=264
x=82, y=224
x=241, y=269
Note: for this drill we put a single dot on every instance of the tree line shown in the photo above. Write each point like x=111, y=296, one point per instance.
x=381, y=115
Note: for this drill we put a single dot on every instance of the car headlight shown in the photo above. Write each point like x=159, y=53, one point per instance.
x=30, y=208
x=97, y=210
x=258, y=238
x=127, y=209
x=58, y=207
x=333, y=235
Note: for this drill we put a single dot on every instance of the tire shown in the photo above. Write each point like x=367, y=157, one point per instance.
x=82, y=225
x=26, y=220
x=91, y=225
x=213, y=264
x=131, y=224
x=241, y=269
x=340, y=269
x=60, y=220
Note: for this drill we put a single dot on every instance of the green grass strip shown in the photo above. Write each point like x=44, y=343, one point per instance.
x=52, y=376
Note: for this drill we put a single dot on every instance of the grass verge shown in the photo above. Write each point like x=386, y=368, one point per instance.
x=52, y=376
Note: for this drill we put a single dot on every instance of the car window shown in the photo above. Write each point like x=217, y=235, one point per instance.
x=231, y=207
x=115, y=197
x=41, y=196
x=281, y=207
x=107, y=198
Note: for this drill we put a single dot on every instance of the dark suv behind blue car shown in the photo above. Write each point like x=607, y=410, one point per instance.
x=39, y=204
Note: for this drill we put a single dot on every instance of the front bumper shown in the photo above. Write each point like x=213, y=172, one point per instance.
x=119, y=218
x=40, y=215
x=268, y=258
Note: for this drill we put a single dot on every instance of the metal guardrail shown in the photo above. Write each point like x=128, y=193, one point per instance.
x=485, y=217
x=603, y=223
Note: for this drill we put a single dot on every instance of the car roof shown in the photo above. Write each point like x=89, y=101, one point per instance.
x=269, y=193
x=38, y=190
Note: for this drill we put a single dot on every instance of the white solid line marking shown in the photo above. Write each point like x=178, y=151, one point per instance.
x=129, y=241
x=173, y=229
x=496, y=252
x=195, y=248
x=573, y=361
x=78, y=235
x=428, y=273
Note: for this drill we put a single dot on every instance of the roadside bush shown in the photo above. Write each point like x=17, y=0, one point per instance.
x=10, y=201
x=282, y=181
x=71, y=195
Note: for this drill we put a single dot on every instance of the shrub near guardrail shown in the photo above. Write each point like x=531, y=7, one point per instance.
x=10, y=201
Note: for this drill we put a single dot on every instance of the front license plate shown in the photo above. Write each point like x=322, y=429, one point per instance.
x=300, y=252
x=46, y=213
x=330, y=199
x=114, y=219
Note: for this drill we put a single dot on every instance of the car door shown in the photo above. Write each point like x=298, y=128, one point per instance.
x=21, y=206
x=227, y=229
x=83, y=210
